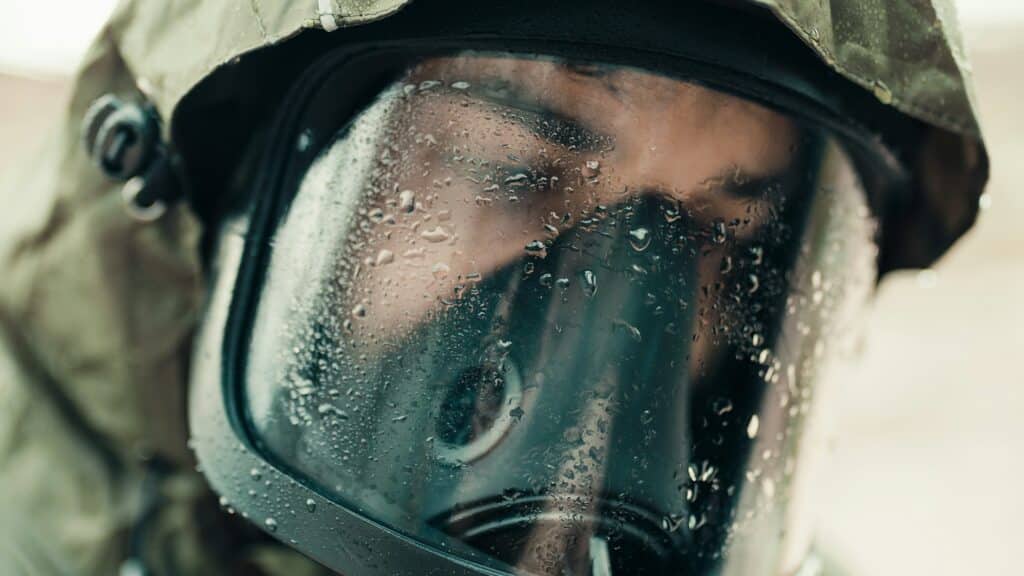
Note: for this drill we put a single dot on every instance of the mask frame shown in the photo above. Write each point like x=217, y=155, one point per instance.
x=233, y=460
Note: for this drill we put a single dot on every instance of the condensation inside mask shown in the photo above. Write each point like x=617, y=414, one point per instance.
x=558, y=318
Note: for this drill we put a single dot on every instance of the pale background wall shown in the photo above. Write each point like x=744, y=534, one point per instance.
x=929, y=444
x=929, y=452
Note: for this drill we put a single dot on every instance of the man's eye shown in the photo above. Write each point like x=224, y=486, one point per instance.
x=570, y=134
x=556, y=129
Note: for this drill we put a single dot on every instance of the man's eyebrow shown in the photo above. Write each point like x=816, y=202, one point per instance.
x=742, y=186
x=562, y=130
x=755, y=188
x=544, y=121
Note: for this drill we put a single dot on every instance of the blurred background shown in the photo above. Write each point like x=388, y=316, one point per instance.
x=928, y=450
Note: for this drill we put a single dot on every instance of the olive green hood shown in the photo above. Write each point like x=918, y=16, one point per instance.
x=910, y=54
x=97, y=310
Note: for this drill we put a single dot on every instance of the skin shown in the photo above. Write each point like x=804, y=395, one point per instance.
x=458, y=145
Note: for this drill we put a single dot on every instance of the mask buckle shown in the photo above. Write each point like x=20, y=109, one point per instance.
x=123, y=141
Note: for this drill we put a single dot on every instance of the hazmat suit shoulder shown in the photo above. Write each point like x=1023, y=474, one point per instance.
x=97, y=310
x=96, y=315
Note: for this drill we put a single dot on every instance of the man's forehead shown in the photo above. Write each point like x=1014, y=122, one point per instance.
x=669, y=129
x=542, y=76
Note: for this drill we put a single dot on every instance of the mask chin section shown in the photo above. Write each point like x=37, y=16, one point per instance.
x=572, y=535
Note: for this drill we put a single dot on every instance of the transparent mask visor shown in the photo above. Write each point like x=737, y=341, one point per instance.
x=559, y=318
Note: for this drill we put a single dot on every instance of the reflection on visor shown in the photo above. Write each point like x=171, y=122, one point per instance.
x=555, y=318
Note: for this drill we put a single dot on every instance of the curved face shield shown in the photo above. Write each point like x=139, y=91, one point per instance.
x=552, y=318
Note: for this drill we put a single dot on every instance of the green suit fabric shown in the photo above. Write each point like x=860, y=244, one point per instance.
x=97, y=310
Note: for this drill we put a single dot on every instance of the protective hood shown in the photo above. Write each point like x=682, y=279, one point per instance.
x=909, y=56
x=97, y=310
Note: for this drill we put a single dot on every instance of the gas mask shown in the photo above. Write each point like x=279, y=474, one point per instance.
x=514, y=313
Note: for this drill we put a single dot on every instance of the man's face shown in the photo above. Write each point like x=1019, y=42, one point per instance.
x=522, y=150
x=557, y=286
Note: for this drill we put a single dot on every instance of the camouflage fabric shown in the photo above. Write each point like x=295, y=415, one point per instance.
x=97, y=310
